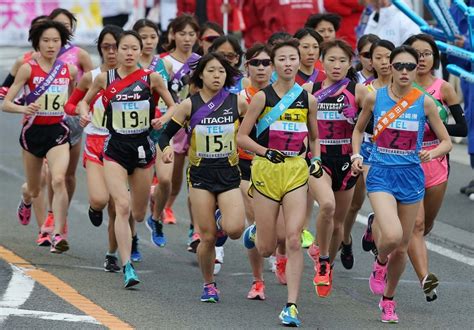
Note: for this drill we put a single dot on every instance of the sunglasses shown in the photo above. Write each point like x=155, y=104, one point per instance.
x=399, y=66
x=365, y=54
x=256, y=62
x=209, y=38
x=229, y=56
x=106, y=47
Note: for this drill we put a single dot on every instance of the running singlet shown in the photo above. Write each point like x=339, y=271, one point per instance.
x=53, y=99
x=429, y=138
x=248, y=93
x=131, y=110
x=184, y=92
x=214, y=139
x=335, y=132
x=160, y=67
x=302, y=78
x=98, y=124
x=71, y=56
x=288, y=133
x=400, y=142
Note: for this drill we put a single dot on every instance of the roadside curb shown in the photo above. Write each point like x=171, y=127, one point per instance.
x=453, y=236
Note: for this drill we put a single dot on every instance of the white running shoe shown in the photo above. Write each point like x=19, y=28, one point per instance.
x=272, y=263
x=219, y=259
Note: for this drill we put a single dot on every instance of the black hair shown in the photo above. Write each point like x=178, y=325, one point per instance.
x=387, y=44
x=231, y=72
x=37, y=19
x=211, y=26
x=365, y=40
x=232, y=41
x=130, y=33
x=58, y=11
x=430, y=40
x=314, y=20
x=179, y=24
x=278, y=36
x=301, y=33
x=346, y=48
x=295, y=43
x=113, y=30
x=145, y=22
x=256, y=50
x=37, y=31
x=404, y=49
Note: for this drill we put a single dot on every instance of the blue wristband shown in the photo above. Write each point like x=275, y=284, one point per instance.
x=315, y=159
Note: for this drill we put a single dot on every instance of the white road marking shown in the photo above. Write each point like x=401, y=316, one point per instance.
x=51, y=316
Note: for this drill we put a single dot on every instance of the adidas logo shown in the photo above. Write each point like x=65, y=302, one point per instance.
x=137, y=89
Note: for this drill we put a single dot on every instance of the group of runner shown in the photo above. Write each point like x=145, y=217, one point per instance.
x=266, y=134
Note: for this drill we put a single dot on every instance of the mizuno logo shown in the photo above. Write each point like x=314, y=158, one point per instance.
x=227, y=111
x=299, y=104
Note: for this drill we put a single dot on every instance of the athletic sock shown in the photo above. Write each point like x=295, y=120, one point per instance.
x=323, y=258
x=290, y=304
x=387, y=298
x=110, y=254
x=381, y=264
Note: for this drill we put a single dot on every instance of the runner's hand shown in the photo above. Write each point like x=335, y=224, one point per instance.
x=168, y=155
x=357, y=166
x=316, y=168
x=157, y=123
x=274, y=156
x=31, y=108
x=425, y=156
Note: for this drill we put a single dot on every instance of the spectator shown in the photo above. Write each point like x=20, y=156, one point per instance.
x=350, y=12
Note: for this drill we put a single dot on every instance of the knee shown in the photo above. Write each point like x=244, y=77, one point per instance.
x=355, y=206
x=428, y=228
x=138, y=216
x=419, y=228
x=207, y=237
x=58, y=182
x=236, y=232
x=70, y=178
x=392, y=239
x=98, y=202
x=122, y=208
x=327, y=209
x=164, y=184
x=293, y=242
x=265, y=250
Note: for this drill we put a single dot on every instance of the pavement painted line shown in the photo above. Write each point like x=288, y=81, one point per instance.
x=434, y=247
x=50, y=316
x=64, y=291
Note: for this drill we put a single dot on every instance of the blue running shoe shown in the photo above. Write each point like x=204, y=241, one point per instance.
x=136, y=256
x=249, y=236
x=289, y=316
x=130, y=278
x=221, y=234
x=210, y=293
x=156, y=230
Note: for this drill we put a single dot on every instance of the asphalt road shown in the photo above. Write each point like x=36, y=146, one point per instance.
x=168, y=296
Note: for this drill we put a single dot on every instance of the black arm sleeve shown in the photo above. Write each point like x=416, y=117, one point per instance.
x=460, y=127
x=171, y=129
x=8, y=82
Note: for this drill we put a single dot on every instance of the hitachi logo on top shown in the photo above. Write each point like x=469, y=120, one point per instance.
x=218, y=120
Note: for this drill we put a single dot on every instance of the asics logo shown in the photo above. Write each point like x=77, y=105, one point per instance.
x=345, y=166
x=340, y=98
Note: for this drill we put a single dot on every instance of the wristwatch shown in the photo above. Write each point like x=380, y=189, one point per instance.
x=354, y=156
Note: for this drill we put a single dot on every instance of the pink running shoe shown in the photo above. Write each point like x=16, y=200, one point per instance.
x=59, y=244
x=43, y=239
x=389, y=315
x=281, y=269
x=169, y=218
x=313, y=252
x=378, y=278
x=3, y=92
x=24, y=213
x=257, y=291
x=48, y=225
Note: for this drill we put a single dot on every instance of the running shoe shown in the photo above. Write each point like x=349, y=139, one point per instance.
x=156, y=230
x=313, y=253
x=3, y=92
x=95, y=217
x=429, y=284
x=48, y=225
x=24, y=213
x=136, y=256
x=169, y=218
x=111, y=264
x=324, y=291
x=272, y=263
x=306, y=239
x=347, y=257
x=219, y=259
x=195, y=240
x=323, y=271
x=464, y=189
x=59, y=244
x=368, y=240
x=389, y=315
x=257, y=291
x=43, y=239
x=280, y=272
x=378, y=278
x=130, y=277
x=289, y=316
x=249, y=236
x=221, y=234
x=210, y=293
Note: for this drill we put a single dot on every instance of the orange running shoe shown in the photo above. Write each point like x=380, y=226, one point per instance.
x=257, y=291
x=281, y=269
x=323, y=270
x=169, y=218
x=324, y=291
x=48, y=225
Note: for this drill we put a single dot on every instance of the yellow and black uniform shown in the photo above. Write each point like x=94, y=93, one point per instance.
x=129, y=116
x=287, y=135
x=213, y=157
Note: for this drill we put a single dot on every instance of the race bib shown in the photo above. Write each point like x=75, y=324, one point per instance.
x=287, y=136
x=131, y=117
x=52, y=101
x=333, y=128
x=99, y=118
x=399, y=138
x=215, y=141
